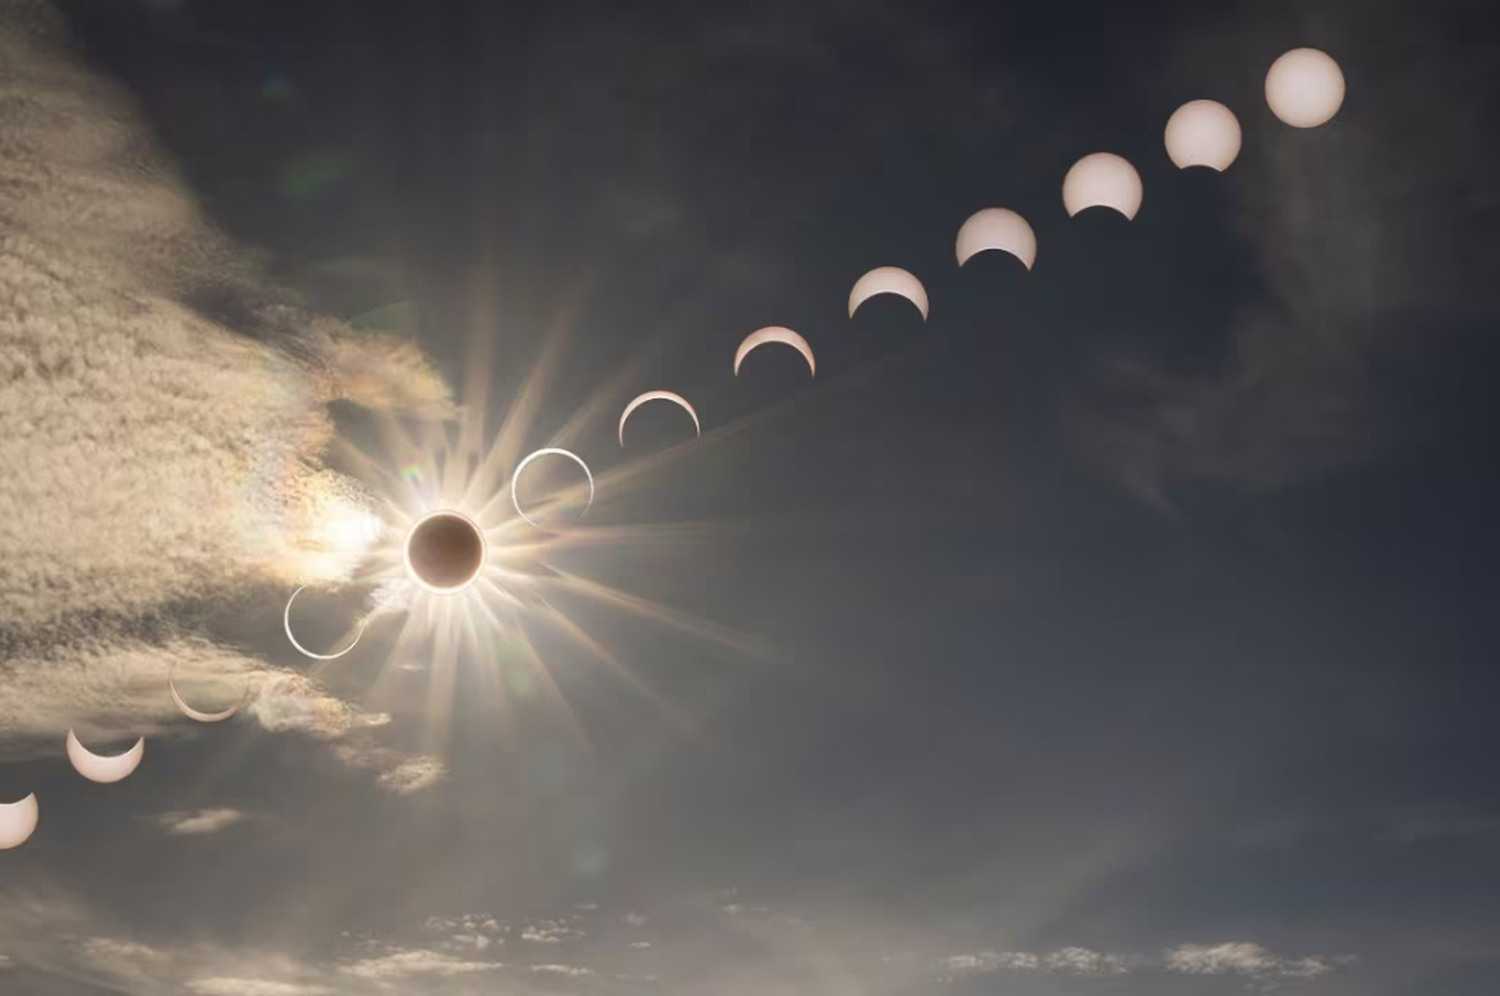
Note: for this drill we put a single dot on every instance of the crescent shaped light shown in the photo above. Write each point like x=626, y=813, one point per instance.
x=671, y=396
x=286, y=622
x=997, y=228
x=1305, y=87
x=775, y=333
x=1103, y=180
x=888, y=280
x=17, y=822
x=1203, y=133
x=102, y=769
x=198, y=714
x=551, y=451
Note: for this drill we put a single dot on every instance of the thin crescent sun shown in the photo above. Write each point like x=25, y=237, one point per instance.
x=286, y=621
x=775, y=333
x=888, y=280
x=672, y=396
x=198, y=714
x=551, y=451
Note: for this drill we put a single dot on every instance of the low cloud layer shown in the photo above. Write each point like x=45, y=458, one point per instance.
x=597, y=950
x=1249, y=961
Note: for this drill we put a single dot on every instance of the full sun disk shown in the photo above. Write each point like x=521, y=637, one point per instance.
x=444, y=552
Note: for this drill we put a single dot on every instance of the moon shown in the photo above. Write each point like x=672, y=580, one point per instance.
x=444, y=552
x=1102, y=180
x=775, y=333
x=997, y=228
x=286, y=622
x=17, y=822
x=199, y=715
x=888, y=280
x=1203, y=133
x=551, y=451
x=1305, y=88
x=101, y=769
x=671, y=396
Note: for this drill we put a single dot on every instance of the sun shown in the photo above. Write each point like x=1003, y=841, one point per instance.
x=444, y=552
x=485, y=548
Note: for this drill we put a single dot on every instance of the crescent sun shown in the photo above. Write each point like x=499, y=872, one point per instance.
x=888, y=280
x=671, y=396
x=198, y=714
x=101, y=768
x=996, y=228
x=1103, y=179
x=17, y=822
x=775, y=333
x=286, y=621
x=552, y=451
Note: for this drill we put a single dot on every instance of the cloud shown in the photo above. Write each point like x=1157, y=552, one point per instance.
x=472, y=942
x=195, y=823
x=1082, y=961
x=400, y=774
x=1245, y=959
x=166, y=414
x=471, y=922
x=1235, y=958
x=112, y=950
x=124, y=958
x=255, y=987
x=290, y=702
x=1067, y=961
x=550, y=932
x=570, y=971
x=412, y=775
x=404, y=964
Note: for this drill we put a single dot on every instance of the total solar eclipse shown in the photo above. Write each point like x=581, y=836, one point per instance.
x=444, y=552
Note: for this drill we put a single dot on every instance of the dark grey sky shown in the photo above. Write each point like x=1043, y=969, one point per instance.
x=1124, y=629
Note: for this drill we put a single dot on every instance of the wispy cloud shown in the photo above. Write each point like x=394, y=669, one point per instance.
x=1068, y=961
x=550, y=932
x=193, y=823
x=569, y=971
x=225, y=986
x=1251, y=961
x=407, y=963
x=400, y=774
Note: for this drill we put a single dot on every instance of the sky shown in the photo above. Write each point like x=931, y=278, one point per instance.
x=1121, y=629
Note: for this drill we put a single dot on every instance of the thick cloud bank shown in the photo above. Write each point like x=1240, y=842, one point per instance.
x=165, y=413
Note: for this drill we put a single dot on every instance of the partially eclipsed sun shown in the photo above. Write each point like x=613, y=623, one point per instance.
x=444, y=552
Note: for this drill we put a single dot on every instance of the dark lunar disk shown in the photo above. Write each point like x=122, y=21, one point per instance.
x=445, y=551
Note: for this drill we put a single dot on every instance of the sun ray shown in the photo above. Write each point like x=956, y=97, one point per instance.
x=577, y=634
x=655, y=612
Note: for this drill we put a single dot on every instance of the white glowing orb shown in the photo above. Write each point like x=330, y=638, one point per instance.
x=1305, y=88
x=1203, y=133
